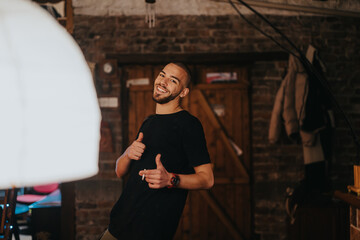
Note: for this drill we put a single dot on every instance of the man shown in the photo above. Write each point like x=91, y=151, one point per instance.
x=168, y=158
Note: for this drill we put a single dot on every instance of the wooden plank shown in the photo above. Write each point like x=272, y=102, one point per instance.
x=220, y=98
x=221, y=161
x=156, y=70
x=348, y=198
x=229, y=106
x=354, y=233
x=140, y=108
x=242, y=209
x=230, y=202
x=221, y=215
x=211, y=142
x=238, y=120
x=195, y=212
x=212, y=224
x=203, y=219
x=246, y=129
x=228, y=124
x=141, y=88
x=136, y=98
x=69, y=16
x=217, y=148
x=227, y=180
x=218, y=193
x=132, y=116
x=210, y=114
x=186, y=231
x=140, y=71
x=238, y=208
x=205, y=106
x=201, y=73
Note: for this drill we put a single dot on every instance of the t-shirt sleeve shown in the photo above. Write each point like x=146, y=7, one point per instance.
x=194, y=143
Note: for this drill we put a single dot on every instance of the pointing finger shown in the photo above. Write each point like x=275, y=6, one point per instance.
x=149, y=172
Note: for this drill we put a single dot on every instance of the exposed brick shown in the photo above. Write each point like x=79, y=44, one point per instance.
x=275, y=167
x=191, y=33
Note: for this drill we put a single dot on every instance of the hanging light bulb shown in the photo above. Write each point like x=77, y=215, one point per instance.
x=150, y=13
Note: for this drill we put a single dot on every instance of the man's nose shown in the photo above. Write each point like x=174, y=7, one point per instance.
x=164, y=81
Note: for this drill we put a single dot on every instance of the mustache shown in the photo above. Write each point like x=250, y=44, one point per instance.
x=162, y=87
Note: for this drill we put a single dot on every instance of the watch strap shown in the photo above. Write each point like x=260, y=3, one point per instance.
x=174, y=181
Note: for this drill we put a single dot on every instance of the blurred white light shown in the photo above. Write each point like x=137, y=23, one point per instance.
x=49, y=115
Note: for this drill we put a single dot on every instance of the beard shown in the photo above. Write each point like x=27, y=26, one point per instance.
x=158, y=99
x=162, y=100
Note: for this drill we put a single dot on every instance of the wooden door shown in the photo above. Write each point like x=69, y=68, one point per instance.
x=224, y=212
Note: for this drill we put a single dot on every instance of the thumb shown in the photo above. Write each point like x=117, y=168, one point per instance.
x=158, y=161
x=140, y=137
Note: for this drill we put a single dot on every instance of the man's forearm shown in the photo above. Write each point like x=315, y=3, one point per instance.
x=133, y=152
x=196, y=181
x=122, y=165
x=203, y=178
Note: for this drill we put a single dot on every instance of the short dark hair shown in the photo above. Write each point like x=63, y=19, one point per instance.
x=186, y=69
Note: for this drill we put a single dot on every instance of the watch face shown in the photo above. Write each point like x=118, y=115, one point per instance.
x=175, y=180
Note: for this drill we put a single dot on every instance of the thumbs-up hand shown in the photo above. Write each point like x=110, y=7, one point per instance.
x=136, y=149
x=158, y=162
x=159, y=177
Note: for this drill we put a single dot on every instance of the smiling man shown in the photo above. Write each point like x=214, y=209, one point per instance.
x=168, y=158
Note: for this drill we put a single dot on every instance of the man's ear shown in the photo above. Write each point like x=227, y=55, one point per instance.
x=184, y=92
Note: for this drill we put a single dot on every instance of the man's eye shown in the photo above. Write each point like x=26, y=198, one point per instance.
x=174, y=81
x=161, y=75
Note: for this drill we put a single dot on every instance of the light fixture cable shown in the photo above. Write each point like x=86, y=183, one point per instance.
x=307, y=65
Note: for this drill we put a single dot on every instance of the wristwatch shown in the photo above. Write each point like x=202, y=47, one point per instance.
x=175, y=180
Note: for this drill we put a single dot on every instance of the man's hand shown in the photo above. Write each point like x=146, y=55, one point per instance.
x=136, y=149
x=159, y=177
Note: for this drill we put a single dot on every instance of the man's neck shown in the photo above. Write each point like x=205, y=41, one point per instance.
x=168, y=108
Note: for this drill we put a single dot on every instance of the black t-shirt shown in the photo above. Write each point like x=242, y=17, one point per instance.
x=141, y=212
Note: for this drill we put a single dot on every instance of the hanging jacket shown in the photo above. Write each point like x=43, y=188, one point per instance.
x=296, y=105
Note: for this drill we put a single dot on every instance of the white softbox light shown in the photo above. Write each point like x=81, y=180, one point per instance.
x=49, y=114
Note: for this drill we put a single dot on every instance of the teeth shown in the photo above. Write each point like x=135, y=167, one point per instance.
x=161, y=90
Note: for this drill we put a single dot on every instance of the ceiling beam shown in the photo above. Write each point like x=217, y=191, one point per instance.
x=298, y=8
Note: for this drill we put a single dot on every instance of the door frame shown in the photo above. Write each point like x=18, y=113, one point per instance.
x=245, y=58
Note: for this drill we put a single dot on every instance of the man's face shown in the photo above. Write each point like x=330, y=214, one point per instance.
x=170, y=84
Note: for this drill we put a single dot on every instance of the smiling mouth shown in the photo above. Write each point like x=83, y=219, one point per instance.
x=161, y=89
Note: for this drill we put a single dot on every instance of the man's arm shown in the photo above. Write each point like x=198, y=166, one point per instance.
x=203, y=178
x=133, y=152
x=122, y=165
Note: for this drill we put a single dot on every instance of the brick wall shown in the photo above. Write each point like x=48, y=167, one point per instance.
x=275, y=167
x=95, y=197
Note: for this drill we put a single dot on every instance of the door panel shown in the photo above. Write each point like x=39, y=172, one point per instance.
x=224, y=212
